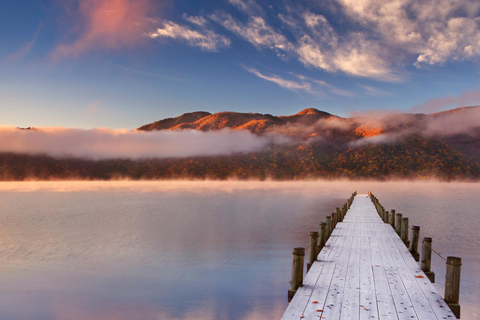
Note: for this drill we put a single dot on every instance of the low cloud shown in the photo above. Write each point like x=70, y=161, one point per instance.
x=462, y=121
x=380, y=139
x=108, y=143
x=393, y=127
x=468, y=98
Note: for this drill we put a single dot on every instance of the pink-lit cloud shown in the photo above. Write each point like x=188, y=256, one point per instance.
x=105, y=25
x=109, y=143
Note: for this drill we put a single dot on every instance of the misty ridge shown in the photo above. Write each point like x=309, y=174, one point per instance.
x=311, y=144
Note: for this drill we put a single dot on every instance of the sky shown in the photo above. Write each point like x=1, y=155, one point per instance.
x=125, y=63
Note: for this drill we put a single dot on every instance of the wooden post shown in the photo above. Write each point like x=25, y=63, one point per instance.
x=398, y=223
x=312, y=253
x=322, y=236
x=297, y=272
x=427, y=258
x=387, y=217
x=452, y=284
x=337, y=216
x=414, y=244
x=329, y=226
x=392, y=218
x=404, y=232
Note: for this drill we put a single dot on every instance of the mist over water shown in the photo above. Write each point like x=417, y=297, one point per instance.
x=195, y=250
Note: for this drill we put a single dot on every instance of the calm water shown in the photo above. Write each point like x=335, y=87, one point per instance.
x=195, y=250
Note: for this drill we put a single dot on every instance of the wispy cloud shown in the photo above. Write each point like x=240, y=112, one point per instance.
x=256, y=31
x=93, y=107
x=377, y=39
x=435, y=31
x=108, y=143
x=372, y=91
x=104, y=25
x=24, y=50
x=387, y=34
x=199, y=35
x=317, y=44
x=250, y=7
x=468, y=98
x=320, y=46
x=331, y=88
x=284, y=83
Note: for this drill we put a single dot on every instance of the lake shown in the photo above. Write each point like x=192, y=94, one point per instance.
x=141, y=250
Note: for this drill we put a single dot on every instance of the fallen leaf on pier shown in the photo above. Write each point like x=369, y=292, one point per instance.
x=377, y=265
x=366, y=308
x=319, y=310
x=315, y=301
x=302, y=316
x=419, y=276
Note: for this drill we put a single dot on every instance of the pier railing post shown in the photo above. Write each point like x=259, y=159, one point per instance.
x=452, y=284
x=297, y=272
x=312, y=253
x=322, y=236
x=329, y=226
x=392, y=218
x=398, y=223
x=404, y=232
x=414, y=244
x=427, y=258
x=336, y=216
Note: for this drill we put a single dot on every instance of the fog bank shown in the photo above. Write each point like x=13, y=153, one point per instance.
x=108, y=143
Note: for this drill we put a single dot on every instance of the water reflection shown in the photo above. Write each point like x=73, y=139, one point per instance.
x=193, y=250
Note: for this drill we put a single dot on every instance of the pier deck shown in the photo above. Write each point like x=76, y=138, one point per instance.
x=366, y=272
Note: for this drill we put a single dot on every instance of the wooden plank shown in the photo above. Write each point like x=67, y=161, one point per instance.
x=320, y=292
x=414, y=272
x=368, y=302
x=404, y=306
x=366, y=272
x=351, y=299
x=385, y=305
x=296, y=307
x=333, y=303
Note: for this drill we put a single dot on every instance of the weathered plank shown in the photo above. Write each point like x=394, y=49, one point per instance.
x=365, y=271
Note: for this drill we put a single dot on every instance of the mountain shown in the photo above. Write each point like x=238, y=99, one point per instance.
x=458, y=128
x=254, y=122
x=444, y=145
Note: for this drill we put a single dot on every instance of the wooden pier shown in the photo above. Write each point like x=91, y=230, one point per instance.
x=365, y=271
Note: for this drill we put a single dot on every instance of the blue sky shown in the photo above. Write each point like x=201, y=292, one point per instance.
x=125, y=63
